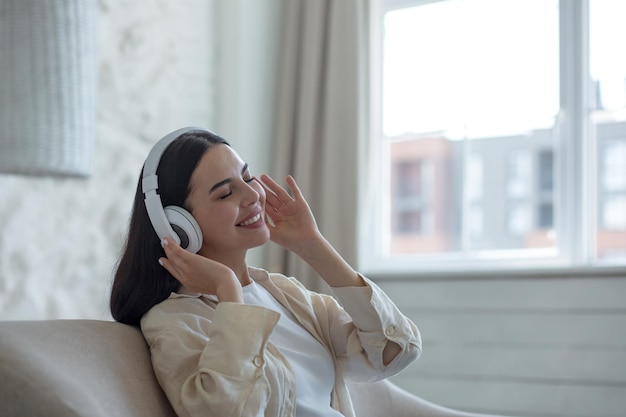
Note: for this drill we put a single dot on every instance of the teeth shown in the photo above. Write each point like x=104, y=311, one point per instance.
x=250, y=221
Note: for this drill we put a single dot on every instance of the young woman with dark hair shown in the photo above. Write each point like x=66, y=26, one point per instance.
x=228, y=339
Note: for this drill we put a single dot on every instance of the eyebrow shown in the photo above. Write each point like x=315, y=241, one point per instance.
x=227, y=180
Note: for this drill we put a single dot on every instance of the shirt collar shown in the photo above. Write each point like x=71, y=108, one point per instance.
x=257, y=274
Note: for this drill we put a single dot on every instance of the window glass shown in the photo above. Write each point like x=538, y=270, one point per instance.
x=470, y=99
x=608, y=124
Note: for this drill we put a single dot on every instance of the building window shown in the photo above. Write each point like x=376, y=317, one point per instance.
x=518, y=191
x=484, y=153
x=545, y=189
x=612, y=195
x=613, y=165
x=519, y=219
x=613, y=210
x=519, y=178
x=411, y=197
x=545, y=213
x=545, y=170
x=474, y=186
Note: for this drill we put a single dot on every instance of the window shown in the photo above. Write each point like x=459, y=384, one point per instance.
x=492, y=147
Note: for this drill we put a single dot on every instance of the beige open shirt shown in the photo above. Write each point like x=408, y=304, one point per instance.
x=215, y=359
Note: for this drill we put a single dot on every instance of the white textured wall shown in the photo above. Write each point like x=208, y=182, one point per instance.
x=59, y=239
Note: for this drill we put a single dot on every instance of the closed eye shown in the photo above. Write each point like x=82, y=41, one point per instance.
x=245, y=172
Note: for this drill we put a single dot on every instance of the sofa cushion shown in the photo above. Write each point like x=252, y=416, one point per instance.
x=77, y=368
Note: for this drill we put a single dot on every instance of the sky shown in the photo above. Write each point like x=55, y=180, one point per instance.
x=451, y=66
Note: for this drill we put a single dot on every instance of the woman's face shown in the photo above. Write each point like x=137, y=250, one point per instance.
x=228, y=204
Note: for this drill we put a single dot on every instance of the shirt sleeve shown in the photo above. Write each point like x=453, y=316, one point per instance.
x=360, y=332
x=212, y=367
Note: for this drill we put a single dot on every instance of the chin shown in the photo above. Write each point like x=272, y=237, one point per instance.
x=262, y=238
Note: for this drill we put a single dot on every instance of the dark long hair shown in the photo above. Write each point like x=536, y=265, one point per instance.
x=140, y=282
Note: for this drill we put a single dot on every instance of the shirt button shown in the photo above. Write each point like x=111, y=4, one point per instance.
x=258, y=361
x=389, y=331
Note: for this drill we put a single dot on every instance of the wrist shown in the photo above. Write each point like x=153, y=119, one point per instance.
x=319, y=254
x=311, y=247
x=230, y=291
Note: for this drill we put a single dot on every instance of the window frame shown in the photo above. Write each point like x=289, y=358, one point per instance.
x=576, y=251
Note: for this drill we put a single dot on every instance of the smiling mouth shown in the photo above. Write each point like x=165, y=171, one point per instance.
x=251, y=220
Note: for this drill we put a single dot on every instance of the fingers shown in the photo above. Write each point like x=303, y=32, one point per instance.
x=278, y=195
x=276, y=189
x=271, y=199
x=174, y=257
x=291, y=182
x=171, y=247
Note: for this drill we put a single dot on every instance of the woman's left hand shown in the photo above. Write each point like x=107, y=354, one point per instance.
x=293, y=222
x=295, y=230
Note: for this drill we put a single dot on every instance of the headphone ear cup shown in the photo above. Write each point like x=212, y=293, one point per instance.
x=186, y=227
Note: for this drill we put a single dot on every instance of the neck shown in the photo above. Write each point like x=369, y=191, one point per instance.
x=242, y=274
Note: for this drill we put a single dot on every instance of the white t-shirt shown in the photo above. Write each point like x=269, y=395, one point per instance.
x=311, y=362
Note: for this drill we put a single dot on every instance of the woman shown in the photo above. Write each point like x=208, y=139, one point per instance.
x=227, y=339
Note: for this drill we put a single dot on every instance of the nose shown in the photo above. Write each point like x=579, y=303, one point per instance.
x=251, y=193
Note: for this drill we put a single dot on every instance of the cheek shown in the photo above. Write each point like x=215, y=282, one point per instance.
x=212, y=220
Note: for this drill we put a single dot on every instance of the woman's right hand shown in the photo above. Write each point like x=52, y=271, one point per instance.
x=199, y=274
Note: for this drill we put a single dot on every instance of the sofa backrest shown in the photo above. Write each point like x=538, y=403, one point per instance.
x=65, y=368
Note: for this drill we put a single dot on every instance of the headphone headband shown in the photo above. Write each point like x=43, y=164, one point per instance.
x=173, y=222
x=149, y=181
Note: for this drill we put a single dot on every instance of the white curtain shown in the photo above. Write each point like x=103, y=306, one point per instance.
x=321, y=119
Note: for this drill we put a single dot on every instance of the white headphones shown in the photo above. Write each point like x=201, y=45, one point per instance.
x=173, y=222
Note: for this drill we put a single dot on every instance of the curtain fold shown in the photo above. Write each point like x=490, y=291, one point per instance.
x=321, y=119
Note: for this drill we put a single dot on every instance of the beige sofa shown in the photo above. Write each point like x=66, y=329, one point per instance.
x=67, y=368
